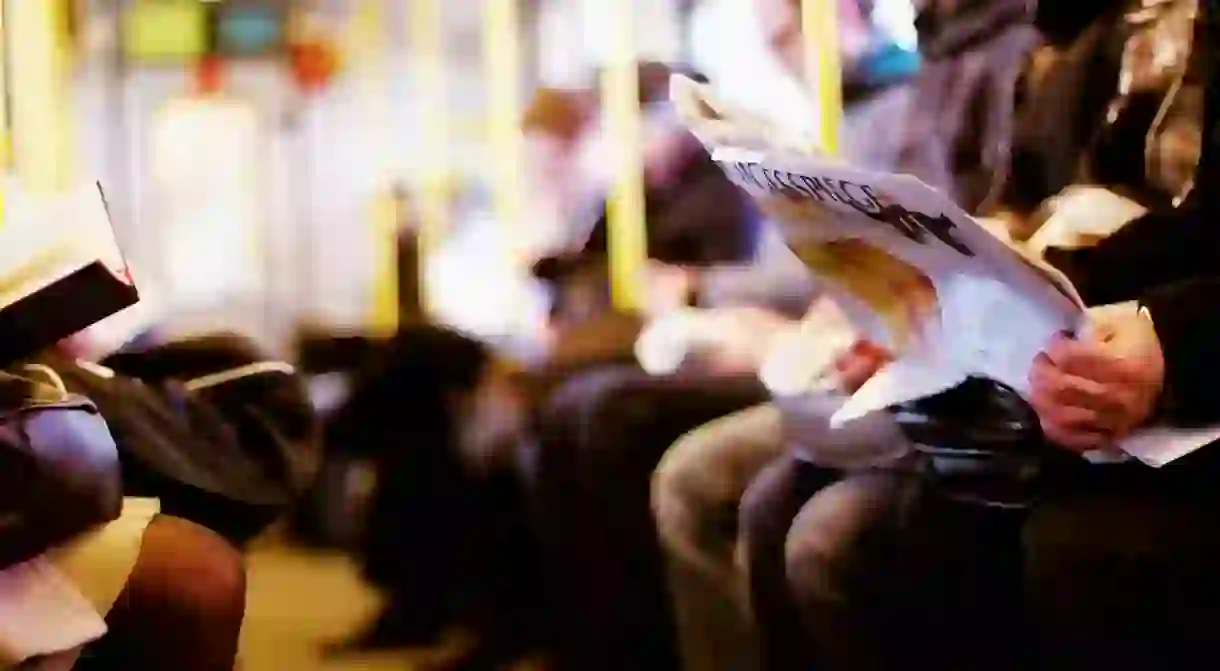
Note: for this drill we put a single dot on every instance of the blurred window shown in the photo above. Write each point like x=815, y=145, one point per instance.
x=206, y=168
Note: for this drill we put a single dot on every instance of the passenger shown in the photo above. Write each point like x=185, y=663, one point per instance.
x=972, y=48
x=436, y=418
x=1112, y=563
x=1110, y=566
x=172, y=593
x=694, y=216
x=698, y=485
x=222, y=434
x=601, y=434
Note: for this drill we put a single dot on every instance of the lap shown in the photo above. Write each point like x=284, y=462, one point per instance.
x=622, y=413
x=88, y=574
x=1114, y=569
x=1124, y=576
x=717, y=461
x=843, y=523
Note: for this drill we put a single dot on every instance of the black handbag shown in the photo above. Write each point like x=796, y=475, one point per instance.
x=59, y=467
x=982, y=443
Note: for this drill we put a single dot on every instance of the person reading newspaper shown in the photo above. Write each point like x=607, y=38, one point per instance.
x=1095, y=393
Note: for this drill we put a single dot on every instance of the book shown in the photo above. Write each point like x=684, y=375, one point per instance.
x=61, y=269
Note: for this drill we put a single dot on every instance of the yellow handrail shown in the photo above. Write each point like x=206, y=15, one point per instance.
x=625, y=225
x=502, y=70
x=820, y=27
x=5, y=134
x=368, y=42
x=426, y=30
x=42, y=133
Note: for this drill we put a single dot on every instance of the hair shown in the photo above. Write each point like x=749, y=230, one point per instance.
x=557, y=112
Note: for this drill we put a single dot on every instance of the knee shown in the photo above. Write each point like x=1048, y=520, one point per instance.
x=815, y=564
x=189, y=576
x=836, y=543
x=676, y=485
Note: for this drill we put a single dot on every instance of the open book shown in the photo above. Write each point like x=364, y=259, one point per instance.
x=911, y=269
x=61, y=269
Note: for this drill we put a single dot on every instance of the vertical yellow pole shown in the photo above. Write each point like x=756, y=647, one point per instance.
x=502, y=71
x=5, y=135
x=368, y=42
x=426, y=31
x=42, y=138
x=820, y=26
x=625, y=232
x=5, y=138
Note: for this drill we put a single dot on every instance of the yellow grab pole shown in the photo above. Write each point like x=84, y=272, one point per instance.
x=426, y=32
x=367, y=41
x=5, y=135
x=820, y=26
x=625, y=233
x=502, y=71
x=42, y=137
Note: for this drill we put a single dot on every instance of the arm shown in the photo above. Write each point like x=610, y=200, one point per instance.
x=777, y=280
x=1187, y=323
x=1157, y=249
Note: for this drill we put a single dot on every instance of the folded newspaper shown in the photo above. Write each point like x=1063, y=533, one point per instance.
x=912, y=270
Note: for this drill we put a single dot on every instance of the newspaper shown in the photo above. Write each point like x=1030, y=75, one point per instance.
x=910, y=268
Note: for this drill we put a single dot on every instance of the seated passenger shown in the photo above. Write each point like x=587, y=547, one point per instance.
x=172, y=593
x=1111, y=565
x=222, y=434
x=971, y=49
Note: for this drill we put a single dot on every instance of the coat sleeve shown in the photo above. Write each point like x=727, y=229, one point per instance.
x=1187, y=321
x=1154, y=250
x=1168, y=262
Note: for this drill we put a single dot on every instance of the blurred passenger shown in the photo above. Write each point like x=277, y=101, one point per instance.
x=958, y=134
x=1108, y=120
x=446, y=538
x=694, y=216
x=172, y=593
x=223, y=434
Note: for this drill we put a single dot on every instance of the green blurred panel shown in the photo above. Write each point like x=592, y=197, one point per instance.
x=166, y=30
x=251, y=28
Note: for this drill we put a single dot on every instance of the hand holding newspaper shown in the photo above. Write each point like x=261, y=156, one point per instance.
x=913, y=272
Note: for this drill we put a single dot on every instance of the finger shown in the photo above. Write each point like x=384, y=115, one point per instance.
x=1062, y=389
x=856, y=372
x=1087, y=359
x=869, y=349
x=1070, y=417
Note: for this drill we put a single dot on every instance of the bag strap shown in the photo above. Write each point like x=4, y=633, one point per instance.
x=239, y=373
x=49, y=376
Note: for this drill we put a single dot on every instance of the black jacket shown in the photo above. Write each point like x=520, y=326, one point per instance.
x=1168, y=260
x=1072, y=123
x=221, y=441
